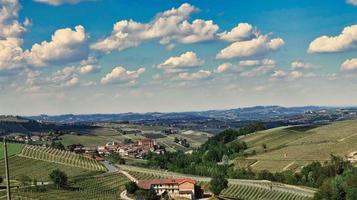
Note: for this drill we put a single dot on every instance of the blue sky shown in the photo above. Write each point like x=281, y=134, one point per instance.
x=110, y=56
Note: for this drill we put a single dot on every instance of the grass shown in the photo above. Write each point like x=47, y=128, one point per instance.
x=38, y=169
x=104, y=187
x=12, y=149
x=301, y=145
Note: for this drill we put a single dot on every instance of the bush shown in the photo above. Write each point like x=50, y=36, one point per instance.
x=59, y=178
x=131, y=187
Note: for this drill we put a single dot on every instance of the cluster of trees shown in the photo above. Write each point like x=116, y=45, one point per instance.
x=140, y=194
x=181, y=141
x=203, y=161
x=115, y=159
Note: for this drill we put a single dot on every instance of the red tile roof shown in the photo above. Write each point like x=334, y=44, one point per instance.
x=146, y=184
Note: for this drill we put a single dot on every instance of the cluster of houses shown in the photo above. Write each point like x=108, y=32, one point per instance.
x=34, y=138
x=134, y=150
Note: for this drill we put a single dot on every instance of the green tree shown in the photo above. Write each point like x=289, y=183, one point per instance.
x=217, y=184
x=115, y=159
x=59, y=178
x=131, y=187
x=57, y=145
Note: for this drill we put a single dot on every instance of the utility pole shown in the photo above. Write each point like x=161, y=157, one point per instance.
x=7, y=171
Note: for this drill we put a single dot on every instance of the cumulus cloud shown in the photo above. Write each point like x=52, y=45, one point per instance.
x=66, y=46
x=66, y=77
x=185, y=60
x=279, y=74
x=297, y=65
x=349, y=65
x=243, y=31
x=88, y=66
x=245, y=64
x=200, y=75
x=346, y=41
x=122, y=75
x=295, y=75
x=352, y=2
x=11, y=30
x=258, y=71
x=257, y=46
x=169, y=26
x=60, y=2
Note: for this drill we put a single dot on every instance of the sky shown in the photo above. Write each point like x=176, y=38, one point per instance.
x=114, y=56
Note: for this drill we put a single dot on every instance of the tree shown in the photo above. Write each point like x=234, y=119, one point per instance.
x=57, y=145
x=264, y=146
x=131, y=187
x=115, y=159
x=59, y=178
x=25, y=180
x=217, y=184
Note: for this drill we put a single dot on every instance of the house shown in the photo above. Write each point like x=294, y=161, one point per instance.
x=35, y=138
x=147, y=143
x=180, y=187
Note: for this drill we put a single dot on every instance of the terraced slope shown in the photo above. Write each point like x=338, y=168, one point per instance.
x=61, y=157
x=294, y=147
x=238, y=189
x=39, y=169
x=103, y=187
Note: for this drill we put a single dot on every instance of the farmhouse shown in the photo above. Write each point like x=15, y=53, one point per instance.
x=180, y=187
x=352, y=157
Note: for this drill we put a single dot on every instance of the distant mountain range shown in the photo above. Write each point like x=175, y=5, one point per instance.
x=238, y=114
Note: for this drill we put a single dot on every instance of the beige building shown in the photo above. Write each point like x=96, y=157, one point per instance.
x=181, y=187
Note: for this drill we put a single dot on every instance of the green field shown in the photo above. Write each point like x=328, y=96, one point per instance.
x=12, y=149
x=38, y=169
x=294, y=147
x=60, y=157
x=104, y=187
x=238, y=189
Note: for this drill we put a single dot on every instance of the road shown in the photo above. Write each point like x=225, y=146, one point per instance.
x=111, y=168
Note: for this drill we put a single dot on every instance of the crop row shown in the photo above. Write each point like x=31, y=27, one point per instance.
x=62, y=157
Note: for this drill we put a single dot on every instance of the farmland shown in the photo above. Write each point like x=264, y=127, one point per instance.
x=106, y=187
x=38, y=169
x=239, y=189
x=12, y=149
x=61, y=157
x=293, y=147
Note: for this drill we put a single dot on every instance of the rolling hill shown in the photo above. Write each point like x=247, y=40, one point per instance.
x=295, y=146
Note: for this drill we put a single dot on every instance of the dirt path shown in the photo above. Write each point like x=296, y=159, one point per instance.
x=123, y=196
x=289, y=165
x=342, y=139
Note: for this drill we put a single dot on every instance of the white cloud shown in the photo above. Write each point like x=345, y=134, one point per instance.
x=90, y=65
x=297, y=65
x=66, y=77
x=261, y=70
x=11, y=54
x=257, y=46
x=349, y=65
x=9, y=25
x=120, y=74
x=11, y=30
x=200, y=75
x=185, y=60
x=60, y=2
x=66, y=46
x=229, y=67
x=279, y=74
x=243, y=31
x=346, y=41
x=352, y=2
x=169, y=26
x=295, y=75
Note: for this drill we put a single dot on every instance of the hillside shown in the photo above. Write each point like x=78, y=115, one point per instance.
x=295, y=146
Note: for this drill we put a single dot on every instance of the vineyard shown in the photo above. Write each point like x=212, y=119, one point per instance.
x=238, y=189
x=104, y=187
x=39, y=169
x=61, y=157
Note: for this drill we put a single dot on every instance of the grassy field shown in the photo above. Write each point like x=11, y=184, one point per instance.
x=104, y=187
x=38, y=169
x=12, y=149
x=293, y=147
